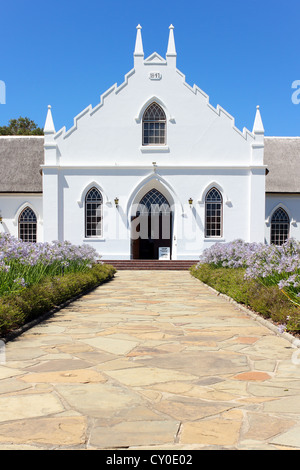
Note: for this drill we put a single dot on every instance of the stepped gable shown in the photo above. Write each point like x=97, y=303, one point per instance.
x=153, y=59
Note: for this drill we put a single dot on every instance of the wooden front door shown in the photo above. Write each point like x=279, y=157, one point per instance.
x=149, y=233
x=151, y=228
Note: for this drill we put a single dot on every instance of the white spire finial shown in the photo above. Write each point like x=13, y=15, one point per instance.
x=138, y=51
x=258, y=127
x=171, y=44
x=49, y=124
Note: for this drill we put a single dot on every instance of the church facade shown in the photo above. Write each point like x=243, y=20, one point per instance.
x=154, y=171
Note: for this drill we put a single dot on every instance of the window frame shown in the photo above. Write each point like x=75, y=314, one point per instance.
x=91, y=226
x=218, y=226
x=30, y=232
x=274, y=237
x=159, y=121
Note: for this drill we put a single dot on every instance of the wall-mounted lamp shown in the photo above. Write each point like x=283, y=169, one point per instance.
x=190, y=201
x=116, y=201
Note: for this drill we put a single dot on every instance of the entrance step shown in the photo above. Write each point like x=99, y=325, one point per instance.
x=145, y=264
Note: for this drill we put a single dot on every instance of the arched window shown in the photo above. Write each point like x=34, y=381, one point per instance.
x=213, y=213
x=154, y=202
x=27, y=225
x=154, y=125
x=93, y=213
x=280, y=227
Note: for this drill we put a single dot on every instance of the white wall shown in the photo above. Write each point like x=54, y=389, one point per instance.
x=291, y=204
x=130, y=185
x=11, y=206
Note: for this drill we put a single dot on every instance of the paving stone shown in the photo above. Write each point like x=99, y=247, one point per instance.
x=6, y=372
x=111, y=345
x=262, y=426
x=136, y=433
x=284, y=405
x=98, y=400
x=59, y=365
x=253, y=376
x=202, y=363
x=290, y=439
x=23, y=354
x=214, y=432
x=62, y=431
x=183, y=408
x=28, y=406
x=247, y=339
x=148, y=375
x=66, y=376
x=266, y=365
x=11, y=385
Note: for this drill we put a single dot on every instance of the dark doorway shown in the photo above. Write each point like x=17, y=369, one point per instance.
x=151, y=227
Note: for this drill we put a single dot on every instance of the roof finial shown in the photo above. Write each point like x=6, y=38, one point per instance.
x=49, y=124
x=258, y=127
x=138, y=51
x=171, y=44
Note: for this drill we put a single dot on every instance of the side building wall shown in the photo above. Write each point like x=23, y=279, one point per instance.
x=291, y=204
x=12, y=205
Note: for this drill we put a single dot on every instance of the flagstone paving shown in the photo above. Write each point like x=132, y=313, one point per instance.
x=150, y=360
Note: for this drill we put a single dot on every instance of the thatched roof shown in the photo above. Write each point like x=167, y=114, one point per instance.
x=282, y=156
x=20, y=160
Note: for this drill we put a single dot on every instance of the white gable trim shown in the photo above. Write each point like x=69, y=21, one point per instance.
x=155, y=59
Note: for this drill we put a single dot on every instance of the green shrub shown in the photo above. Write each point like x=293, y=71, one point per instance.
x=19, y=308
x=269, y=301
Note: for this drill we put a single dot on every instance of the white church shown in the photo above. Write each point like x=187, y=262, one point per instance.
x=153, y=171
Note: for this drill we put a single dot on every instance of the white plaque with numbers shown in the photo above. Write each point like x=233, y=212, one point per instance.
x=155, y=75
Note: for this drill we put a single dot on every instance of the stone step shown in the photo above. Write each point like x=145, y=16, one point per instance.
x=151, y=264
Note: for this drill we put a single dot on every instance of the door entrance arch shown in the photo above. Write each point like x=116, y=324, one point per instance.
x=151, y=227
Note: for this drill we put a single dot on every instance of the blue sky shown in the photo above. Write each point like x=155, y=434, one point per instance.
x=67, y=53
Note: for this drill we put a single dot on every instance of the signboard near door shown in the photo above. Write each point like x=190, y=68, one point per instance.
x=164, y=252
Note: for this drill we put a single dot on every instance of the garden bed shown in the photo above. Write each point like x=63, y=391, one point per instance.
x=36, y=278
x=19, y=309
x=265, y=279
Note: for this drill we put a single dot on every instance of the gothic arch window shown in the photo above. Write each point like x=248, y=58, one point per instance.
x=28, y=225
x=154, y=125
x=213, y=213
x=154, y=202
x=280, y=227
x=93, y=213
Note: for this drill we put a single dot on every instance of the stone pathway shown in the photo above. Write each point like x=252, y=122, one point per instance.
x=150, y=360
